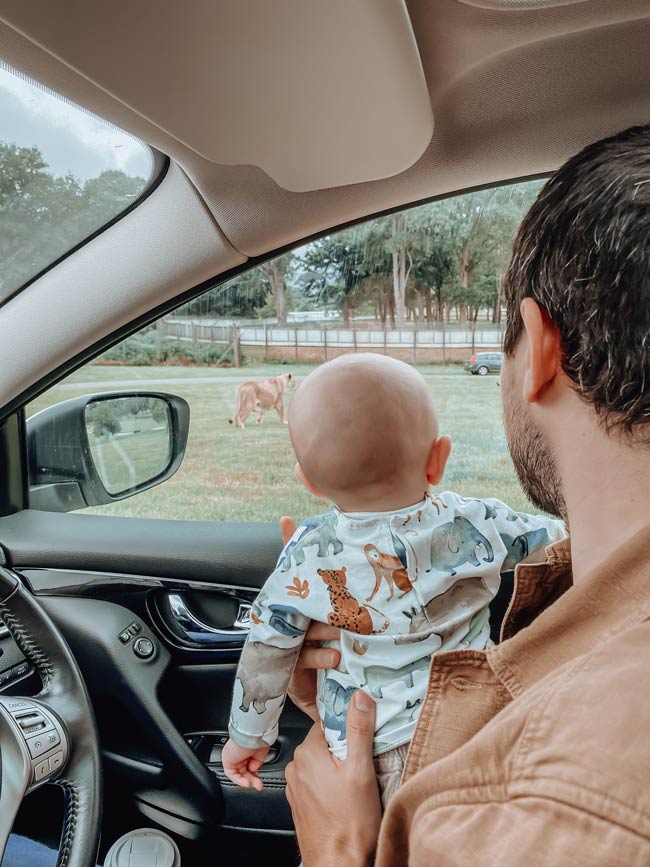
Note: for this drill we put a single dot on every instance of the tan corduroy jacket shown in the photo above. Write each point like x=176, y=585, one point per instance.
x=537, y=752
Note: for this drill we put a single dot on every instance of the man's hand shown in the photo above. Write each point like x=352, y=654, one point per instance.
x=302, y=689
x=335, y=805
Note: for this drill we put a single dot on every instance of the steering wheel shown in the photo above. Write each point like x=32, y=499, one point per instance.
x=51, y=738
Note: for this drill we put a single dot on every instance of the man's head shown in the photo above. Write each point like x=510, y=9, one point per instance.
x=577, y=293
x=364, y=428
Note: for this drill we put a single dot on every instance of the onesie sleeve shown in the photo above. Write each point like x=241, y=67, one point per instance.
x=524, y=536
x=278, y=626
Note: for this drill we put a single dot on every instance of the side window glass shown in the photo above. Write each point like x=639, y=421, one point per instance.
x=422, y=285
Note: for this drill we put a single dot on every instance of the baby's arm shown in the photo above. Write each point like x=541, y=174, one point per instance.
x=263, y=675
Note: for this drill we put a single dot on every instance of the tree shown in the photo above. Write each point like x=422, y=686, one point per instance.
x=342, y=269
x=400, y=245
x=42, y=216
x=275, y=272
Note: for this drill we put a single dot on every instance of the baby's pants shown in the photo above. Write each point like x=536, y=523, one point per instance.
x=389, y=767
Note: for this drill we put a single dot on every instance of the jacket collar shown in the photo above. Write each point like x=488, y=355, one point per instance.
x=573, y=618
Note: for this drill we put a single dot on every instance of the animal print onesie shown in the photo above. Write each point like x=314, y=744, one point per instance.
x=401, y=586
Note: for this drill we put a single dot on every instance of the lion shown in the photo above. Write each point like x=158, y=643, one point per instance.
x=261, y=396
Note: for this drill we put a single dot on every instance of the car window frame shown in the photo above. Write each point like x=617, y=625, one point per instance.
x=12, y=424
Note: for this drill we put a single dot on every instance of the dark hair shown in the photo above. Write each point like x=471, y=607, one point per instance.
x=583, y=253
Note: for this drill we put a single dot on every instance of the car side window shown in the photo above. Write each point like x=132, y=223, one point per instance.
x=422, y=285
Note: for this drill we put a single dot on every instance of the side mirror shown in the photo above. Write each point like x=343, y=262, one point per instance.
x=98, y=449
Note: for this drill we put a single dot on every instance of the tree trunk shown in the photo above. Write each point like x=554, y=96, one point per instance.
x=391, y=310
x=497, y=305
x=402, y=263
x=465, y=274
x=347, y=310
x=440, y=307
x=272, y=270
x=428, y=306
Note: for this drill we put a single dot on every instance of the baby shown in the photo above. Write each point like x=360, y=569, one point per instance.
x=401, y=572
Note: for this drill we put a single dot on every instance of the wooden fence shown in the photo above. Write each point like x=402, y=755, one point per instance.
x=319, y=344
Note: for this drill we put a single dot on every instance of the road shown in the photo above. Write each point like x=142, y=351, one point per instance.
x=185, y=380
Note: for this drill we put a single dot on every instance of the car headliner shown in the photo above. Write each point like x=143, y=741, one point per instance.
x=513, y=90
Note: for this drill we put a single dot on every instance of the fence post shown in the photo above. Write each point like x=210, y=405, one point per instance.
x=444, y=355
x=385, y=341
x=415, y=345
x=354, y=338
x=266, y=341
x=295, y=343
x=325, y=342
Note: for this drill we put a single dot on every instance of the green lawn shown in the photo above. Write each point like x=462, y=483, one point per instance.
x=234, y=475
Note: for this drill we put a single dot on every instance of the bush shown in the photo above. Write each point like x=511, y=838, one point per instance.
x=147, y=348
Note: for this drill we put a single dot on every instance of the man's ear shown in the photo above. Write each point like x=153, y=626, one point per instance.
x=544, y=360
x=302, y=478
x=438, y=457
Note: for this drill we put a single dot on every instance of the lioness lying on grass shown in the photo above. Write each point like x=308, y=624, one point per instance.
x=261, y=396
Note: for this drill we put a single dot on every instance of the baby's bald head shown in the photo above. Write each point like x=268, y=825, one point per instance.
x=363, y=423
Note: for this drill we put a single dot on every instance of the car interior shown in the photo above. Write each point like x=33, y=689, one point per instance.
x=268, y=124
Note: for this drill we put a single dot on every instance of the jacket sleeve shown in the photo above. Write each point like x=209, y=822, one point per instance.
x=529, y=829
x=278, y=626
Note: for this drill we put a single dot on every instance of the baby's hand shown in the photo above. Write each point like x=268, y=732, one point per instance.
x=241, y=765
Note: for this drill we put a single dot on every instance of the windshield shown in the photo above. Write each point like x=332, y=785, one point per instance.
x=64, y=174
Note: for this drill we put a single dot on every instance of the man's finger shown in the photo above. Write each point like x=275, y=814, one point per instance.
x=322, y=632
x=287, y=528
x=360, y=729
x=319, y=657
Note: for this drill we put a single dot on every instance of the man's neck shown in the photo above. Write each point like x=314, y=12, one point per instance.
x=606, y=486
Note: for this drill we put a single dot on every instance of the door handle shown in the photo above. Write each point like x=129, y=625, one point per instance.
x=193, y=630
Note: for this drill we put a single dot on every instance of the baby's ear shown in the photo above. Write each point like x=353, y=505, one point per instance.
x=437, y=461
x=302, y=478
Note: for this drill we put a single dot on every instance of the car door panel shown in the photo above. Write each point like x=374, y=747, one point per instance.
x=215, y=552
x=161, y=719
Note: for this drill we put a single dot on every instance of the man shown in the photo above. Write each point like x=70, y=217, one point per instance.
x=538, y=750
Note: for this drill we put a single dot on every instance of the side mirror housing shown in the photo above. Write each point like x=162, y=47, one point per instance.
x=102, y=448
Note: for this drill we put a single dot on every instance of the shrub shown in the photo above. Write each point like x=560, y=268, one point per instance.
x=148, y=348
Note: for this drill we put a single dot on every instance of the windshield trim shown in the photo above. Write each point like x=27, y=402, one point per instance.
x=160, y=167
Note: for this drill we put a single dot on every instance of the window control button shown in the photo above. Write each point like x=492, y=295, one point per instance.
x=135, y=628
x=42, y=743
x=125, y=636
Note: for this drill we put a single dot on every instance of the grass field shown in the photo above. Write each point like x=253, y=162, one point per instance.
x=230, y=475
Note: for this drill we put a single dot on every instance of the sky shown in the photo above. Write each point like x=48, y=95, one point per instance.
x=70, y=139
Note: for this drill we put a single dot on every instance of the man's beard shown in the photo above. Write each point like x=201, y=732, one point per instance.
x=533, y=459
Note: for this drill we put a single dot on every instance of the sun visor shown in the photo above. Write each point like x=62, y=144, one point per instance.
x=317, y=94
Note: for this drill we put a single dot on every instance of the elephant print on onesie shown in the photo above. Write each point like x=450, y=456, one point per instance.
x=335, y=700
x=447, y=613
x=347, y=612
x=263, y=673
x=522, y=546
x=321, y=531
x=455, y=543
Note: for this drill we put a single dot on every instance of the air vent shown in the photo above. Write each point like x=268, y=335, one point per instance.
x=519, y=5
